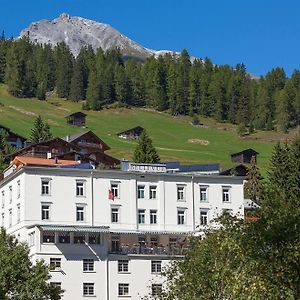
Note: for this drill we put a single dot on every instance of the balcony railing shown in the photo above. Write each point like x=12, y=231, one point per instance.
x=89, y=144
x=144, y=250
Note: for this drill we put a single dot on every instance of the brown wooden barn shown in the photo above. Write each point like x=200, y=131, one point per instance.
x=244, y=156
x=131, y=134
x=77, y=119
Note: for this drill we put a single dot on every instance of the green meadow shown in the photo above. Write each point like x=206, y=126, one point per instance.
x=174, y=137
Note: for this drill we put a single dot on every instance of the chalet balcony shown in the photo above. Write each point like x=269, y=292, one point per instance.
x=89, y=144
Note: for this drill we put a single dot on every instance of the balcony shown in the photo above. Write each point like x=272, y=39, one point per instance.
x=90, y=144
x=144, y=250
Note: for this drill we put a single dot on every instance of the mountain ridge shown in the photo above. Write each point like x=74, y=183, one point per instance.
x=78, y=32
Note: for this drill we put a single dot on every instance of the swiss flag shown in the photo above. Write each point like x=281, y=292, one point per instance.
x=111, y=195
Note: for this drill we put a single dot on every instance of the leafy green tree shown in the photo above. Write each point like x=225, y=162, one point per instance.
x=19, y=278
x=145, y=151
x=40, y=131
x=241, y=260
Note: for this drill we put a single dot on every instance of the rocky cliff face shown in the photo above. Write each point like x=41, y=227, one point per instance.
x=78, y=32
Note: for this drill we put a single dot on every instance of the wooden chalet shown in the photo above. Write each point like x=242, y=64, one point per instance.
x=243, y=156
x=91, y=148
x=87, y=142
x=13, y=138
x=131, y=134
x=77, y=119
x=46, y=149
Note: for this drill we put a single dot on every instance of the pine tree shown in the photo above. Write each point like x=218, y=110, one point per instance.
x=94, y=92
x=64, y=68
x=145, y=151
x=77, y=85
x=194, y=88
x=121, y=85
x=40, y=131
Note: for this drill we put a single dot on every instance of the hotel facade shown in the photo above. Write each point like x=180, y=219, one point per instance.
x=108, y=234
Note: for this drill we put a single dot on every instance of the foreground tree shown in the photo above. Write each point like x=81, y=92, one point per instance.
x=19, y=278
x=145, y=151
x=253, y=186
x=40, y=131
x=5, y=148
x=240, y=260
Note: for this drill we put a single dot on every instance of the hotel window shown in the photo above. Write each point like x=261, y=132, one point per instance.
x=123, y=266
x=45, y=186
x=115, y=188
x=94, y=238
x=115, y=243
x=45, y=212
x=123, y=289
x=156, y=266
x=152, y=192
x=115, y=214
x=79, y=213
x=226, y=194
x=18, y=189
x=10, y=194
x=2, y=220
x=141, y=192
x=64, y=238
x=18, y=213
x=55, y=263
x=180, y=193
x=3, y=199
x=31, y=238
x=153, y=216
x=80, y=188
x=203, y=194
x=88, y=265
x=153, y=241
x=156, y=289
x=88, y=289
x=141, y=216
x=173, y=242
x=48, y=237
x=79, y=238
x=203, y=217
x=181, y=216
x=10, y=218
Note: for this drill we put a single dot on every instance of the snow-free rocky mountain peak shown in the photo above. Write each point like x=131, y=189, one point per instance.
x=78, y=32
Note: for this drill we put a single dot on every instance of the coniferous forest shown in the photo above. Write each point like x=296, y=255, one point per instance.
x=170, y=83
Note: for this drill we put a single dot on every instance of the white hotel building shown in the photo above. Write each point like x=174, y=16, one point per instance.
x=111, y=248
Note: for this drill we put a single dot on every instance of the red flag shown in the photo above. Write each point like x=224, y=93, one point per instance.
x=111, y=195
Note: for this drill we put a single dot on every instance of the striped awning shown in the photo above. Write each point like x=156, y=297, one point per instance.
x=62, y=228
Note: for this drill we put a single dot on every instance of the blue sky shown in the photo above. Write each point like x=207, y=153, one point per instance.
x=261, y=34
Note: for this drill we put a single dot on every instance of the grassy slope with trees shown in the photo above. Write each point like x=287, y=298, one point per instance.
x=170, y=134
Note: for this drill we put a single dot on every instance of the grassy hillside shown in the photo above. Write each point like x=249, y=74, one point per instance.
x=175, y=138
